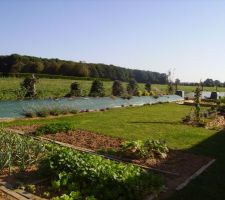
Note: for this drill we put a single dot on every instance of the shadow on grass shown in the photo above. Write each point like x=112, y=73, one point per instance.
x=211, y=184
x=153, y=122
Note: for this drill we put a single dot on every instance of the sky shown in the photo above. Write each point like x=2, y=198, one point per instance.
x=157, y=35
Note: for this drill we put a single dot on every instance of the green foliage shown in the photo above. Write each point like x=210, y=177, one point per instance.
x=132, y=87
x=31, y=188
x=197, y=103
x=73, y=196
x=54, y=128
x=15, y=64
x=97, y=89
x=148, y=87
x=117, y=88
x=145, y=149
x=20, y=151
x=96, y=176
x=75, y=90
x=28, y=86
x=145, y=93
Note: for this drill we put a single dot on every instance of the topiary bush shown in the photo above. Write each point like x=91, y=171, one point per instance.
x=132, y=87
x=97, y=89
x=28, y=86
x=117, y=88
x=75, y=90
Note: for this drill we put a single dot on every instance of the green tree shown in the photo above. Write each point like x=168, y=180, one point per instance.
x=132, y=87
x=97, y=89
x=117, y=88
x=148, y=87
x=82, y=70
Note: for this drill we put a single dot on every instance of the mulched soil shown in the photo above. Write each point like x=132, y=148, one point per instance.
x=179, y=162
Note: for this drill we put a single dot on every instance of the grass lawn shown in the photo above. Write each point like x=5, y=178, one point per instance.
x=160, y=121
x=55, y=88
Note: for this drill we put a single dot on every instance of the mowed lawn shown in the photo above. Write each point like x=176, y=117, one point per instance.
x=55, y=88
x=162, y=121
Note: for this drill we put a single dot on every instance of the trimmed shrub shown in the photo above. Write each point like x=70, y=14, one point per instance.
x=132, y=87
x=75, y=90
x=97, y=89
x=117, y=88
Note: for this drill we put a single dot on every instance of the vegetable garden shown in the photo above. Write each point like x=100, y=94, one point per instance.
x=58, y=158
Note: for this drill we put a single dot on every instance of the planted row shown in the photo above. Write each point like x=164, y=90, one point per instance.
x=19, y=151
x=91, y=175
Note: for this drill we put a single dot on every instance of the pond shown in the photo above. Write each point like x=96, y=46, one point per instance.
x=15, y=109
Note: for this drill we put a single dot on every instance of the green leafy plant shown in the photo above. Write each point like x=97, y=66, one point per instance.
x=96, y=177
x=54, y=128
x=46, y=194
x=145, y=149
x=31, y=188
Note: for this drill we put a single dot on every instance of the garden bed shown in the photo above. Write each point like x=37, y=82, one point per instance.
x=177, y=163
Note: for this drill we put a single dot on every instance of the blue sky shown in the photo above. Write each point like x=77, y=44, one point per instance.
x=154, y=35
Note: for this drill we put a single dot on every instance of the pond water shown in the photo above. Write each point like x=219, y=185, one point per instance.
x=15, y=109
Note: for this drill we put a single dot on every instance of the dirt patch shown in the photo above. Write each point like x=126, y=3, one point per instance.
x=86, y=140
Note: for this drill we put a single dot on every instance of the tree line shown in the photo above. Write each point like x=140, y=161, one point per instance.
x=15, y=64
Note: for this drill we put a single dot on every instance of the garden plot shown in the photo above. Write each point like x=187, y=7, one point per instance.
x=68, y=173
x=176, y=167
